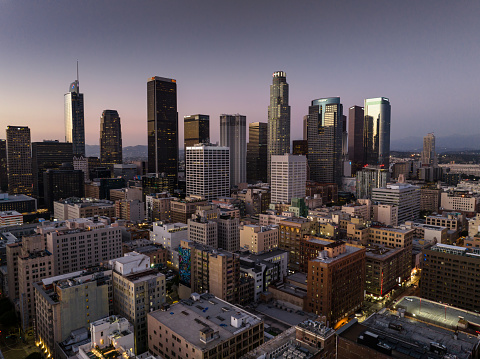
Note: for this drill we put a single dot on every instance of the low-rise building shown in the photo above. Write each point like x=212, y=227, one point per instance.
x=10, y=218
x=259, y=239
x=204, y=327
x=82, y=208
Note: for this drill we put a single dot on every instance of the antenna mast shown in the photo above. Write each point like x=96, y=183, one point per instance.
x=77, y=70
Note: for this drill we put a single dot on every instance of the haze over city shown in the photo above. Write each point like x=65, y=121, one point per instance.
x=423, y=56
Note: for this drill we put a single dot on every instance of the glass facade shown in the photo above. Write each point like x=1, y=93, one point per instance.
x=110, y=138
x=233, y=134
x=196, y=130
x=162, y=127
x=74, y=119
x=355, y=138
x=325, y=133
x=376, y=131
x=257, y=152
x=278, y=118
x=19, y=160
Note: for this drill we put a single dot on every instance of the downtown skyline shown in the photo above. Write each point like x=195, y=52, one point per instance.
x=423, y=58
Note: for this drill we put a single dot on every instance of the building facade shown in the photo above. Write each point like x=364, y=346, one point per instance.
x=377, y=131
x=196, y=130
x=75, y=119
x=288, y=177
x=257, y=152
x=110, y=137
x=233, y=134
x=355, y=137
x=19, y=160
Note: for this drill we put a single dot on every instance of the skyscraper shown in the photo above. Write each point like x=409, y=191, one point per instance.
x=429, y=156
x=48, y=155
x=162, y=126
x=74, y=118
x=3, y=166
x=278, y=118
x=257, y=152
x=110, y=137
x=377, y=131
x=207, y=171
x=233, y=134
x=19, y=160
x=196, y=130
x=355, y=137
x=325, y=133
x=288, y=178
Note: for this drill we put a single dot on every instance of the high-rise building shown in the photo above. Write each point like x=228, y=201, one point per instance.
x=278, y=118
x=19, y=160
x=208, y=171
x=257, y=152
x=110, y=137
x=376, y=129
x=403, y=195
x=233, y=134
x=429, y=156
x=75, y=118
x=300, y=147
x=336, y=280
x=137, y=290
x=48, y=155
x=355, y=137
x=162, y=126
x=369, y=178
x=288, y=177
x=3, y=166
x=62, y=183
x=325, y=134
x=196, y=130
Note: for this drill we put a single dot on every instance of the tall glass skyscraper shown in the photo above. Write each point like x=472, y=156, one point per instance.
x=110, y=137
x=74, y=119
x=233, y=134
x=162, y=126
x=355, y=138
x=278, y=118
x=325, y=132
x=376, y=131
x=196, y=129
x=19, y=160
x=257, y=152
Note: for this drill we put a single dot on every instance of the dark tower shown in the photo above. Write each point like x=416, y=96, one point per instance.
x=196, y=130
x=110, y=138
x=355, y=138
x=162, y=127
x=257, y=152
x=74, y=118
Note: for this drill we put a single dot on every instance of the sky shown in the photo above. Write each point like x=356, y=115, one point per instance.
x=423, y=55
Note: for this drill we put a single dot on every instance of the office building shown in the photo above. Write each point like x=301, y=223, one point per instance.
x=100, y=187
x=224, y=331
x=72, y=208
x=19, y=203
x=19, y=160
x=169, y=235
x=325, y=134
x=288, y=177
x=68, y=302
x=257, y=152
x=208, y=171
x=82, y=243
x=203, y=230
x=196, y=130
x=110, y=137
x=137, y=290
x=3, y=166
x=377, y=131
x=10, y=218
x=429, y=156
x=157, y=183
x=430, y=199
x=336, y=280
x=130, y=210
x=233, y=134
x=386, y=268
x=74, y=118
x=182, y=210
x=460, y=201
x=256, y=200
x=258, y=239
x=278, y=118
x=228, y=232
x=157, y=207
x=449, y=275
x=300, y=147
x=62, y=183
x=291, y=231
x=162, y=127
x=368, y=178
x=403, y=195
x=355, y=138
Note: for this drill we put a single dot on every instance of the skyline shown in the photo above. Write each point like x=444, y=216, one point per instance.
x=420, y=56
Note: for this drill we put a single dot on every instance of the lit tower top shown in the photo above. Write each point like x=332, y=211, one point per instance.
x=74, y=118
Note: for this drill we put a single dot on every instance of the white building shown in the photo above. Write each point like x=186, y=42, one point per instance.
x=288, y=177
x=208, y=171
x=403, y=195
x=10, y=218
x=168, y=234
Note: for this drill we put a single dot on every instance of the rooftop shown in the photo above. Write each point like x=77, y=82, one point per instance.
x=189, y=317
x=349, y=249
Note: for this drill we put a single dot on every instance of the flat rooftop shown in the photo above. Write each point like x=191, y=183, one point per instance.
x=348, y=251
x=410, y=338
x=381, y=252
x=187, y=318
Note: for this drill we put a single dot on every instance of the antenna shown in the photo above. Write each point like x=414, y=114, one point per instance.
x=77, y=70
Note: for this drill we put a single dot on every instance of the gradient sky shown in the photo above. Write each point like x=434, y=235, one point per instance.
x=423, y=55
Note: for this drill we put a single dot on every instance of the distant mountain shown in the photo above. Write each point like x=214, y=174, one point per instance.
x=442, y=144
x=128, y=152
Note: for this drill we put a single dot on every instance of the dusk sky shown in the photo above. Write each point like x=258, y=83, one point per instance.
x=423, y=55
